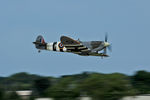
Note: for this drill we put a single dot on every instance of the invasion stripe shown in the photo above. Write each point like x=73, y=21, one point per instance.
x=61, y=50
x=54, y=46
x=84, y=50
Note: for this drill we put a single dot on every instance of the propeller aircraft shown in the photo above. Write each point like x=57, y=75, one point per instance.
x=67, y=44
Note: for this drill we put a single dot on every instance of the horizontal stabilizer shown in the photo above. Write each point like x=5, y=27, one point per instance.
x=39, y=43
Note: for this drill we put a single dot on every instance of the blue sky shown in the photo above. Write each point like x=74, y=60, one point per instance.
x=126, y=21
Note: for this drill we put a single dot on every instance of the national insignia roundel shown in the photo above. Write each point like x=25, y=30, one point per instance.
x=60, y=45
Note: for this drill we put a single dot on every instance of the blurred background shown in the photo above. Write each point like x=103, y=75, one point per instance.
x=126, y=22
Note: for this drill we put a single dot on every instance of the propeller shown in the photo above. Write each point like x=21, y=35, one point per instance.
x=109, y=46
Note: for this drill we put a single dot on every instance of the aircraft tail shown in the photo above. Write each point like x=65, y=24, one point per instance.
x=40, y=42
x=40, y=39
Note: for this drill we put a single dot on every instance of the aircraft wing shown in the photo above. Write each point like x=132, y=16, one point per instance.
x=68, y=40
x=73, y=45
x=100, y=54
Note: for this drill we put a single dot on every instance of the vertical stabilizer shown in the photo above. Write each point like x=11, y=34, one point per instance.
x=40, y=43
x=40, y=39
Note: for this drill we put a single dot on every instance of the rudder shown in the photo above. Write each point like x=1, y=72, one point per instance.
x=40, y=39
x=40, y=43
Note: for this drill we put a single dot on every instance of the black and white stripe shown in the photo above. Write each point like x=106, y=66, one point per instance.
x=54, y=46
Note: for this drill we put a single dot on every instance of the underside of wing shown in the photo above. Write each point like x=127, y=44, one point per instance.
x=99, y=54
x=73, y=45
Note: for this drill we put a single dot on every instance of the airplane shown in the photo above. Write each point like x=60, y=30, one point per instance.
x=67, y=44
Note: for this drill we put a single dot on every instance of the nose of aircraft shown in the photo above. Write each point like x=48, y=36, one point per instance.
x=106, y=44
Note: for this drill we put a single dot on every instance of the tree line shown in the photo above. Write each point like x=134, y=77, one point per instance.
x=99, y=86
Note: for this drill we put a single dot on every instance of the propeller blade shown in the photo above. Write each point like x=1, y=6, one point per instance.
x=106, y=37
x=105, y=50
x=110, y=48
